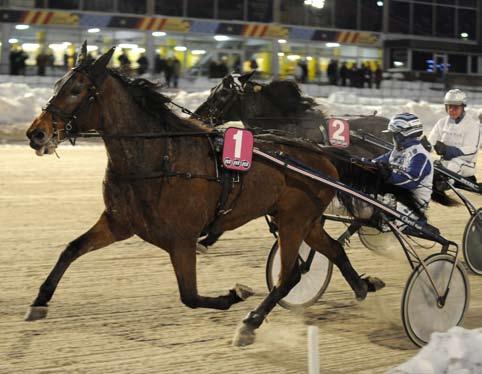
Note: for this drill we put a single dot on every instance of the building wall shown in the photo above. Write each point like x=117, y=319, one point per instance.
x=356, y=25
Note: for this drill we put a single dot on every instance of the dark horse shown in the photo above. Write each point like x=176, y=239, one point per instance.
x=279, y=105
x=160, y=184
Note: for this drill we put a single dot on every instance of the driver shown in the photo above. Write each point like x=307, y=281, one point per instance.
x=456, y=138
x=408, y=165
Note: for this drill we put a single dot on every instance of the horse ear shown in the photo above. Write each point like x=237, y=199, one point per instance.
x=246, y=77
x=100, y=64
x=82, y=57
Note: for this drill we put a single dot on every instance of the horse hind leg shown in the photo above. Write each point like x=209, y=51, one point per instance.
x=290, y=238
x=99, y=236
x=183, y=259
x=319, y=240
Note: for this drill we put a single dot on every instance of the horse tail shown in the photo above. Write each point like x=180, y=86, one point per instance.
x=365, y=178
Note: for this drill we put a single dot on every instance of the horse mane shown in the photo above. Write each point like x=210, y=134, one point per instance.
x=146, y=94
x=366, y=180
x=286, y=96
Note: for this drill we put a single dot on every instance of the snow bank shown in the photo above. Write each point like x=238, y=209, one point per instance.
x=456, y=351
x=20, y=103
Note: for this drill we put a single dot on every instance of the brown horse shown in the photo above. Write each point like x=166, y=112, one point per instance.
x=161, y=185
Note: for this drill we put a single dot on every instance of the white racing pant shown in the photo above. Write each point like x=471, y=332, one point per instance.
x=459, y=166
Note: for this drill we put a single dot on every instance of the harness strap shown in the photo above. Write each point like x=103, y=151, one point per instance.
x=163, y=174
x=227, y=180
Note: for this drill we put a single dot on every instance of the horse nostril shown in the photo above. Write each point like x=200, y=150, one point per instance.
x=38, y=136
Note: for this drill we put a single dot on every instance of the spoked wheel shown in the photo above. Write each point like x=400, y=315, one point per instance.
x=422, y=311
x=472, y=243
x=313, y=282
x=376, y=240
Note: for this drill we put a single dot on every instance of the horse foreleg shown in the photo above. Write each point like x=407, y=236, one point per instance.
x=183, y=259
x=100, y=235
x=319, y=240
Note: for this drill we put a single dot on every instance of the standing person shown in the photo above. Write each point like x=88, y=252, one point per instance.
x=237, y=65
x=354, y=76
x=304, y=71
x=143, y=64
x=159, y=64
x=456, y=138
x=343, y=73
x=21, y=63
x=223, y=69
x=176, y=71
x=298, y=73
x=367, y=75
x=378, y=75
x=253, y=65
x=332, y=72
x=13, y=60
x=125, y=62
x=42, y=62
x=169, y=71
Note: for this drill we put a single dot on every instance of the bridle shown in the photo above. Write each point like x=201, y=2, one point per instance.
x=71, y=127
x=222, y=98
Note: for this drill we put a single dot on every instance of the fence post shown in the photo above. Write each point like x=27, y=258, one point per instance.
x=313, y=355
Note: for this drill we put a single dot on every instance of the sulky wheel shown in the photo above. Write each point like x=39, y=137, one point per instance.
x=422, y=311
x=376, y=240
x=472, y=243
x=313, y=282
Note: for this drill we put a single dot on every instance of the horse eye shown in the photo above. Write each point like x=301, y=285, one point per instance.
x=75, y=91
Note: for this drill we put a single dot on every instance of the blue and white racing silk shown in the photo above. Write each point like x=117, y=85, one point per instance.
x=412, y=169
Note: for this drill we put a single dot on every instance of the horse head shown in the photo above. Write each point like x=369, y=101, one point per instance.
x=73, y=102
x=223, y=102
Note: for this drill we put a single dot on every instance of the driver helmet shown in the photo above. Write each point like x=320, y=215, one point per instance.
x=405, y=125
x=455, y=97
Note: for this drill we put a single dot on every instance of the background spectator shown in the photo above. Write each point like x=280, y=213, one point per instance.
x=332, y=72
x=42, y=60
x=343, y=73
x=143, y=64
x=378, y=75
x=125, y=63
x=367, y=75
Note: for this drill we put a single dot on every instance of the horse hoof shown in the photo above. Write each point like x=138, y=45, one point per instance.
x=36, y=312
x=201, y=249
x=374, y=284
x=243, y=291
x=244, y=336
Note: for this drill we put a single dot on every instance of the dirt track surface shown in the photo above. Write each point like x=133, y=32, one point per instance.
x=117, y=310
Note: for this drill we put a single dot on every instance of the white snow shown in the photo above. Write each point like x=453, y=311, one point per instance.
x=21, y=102
x=458, y=351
